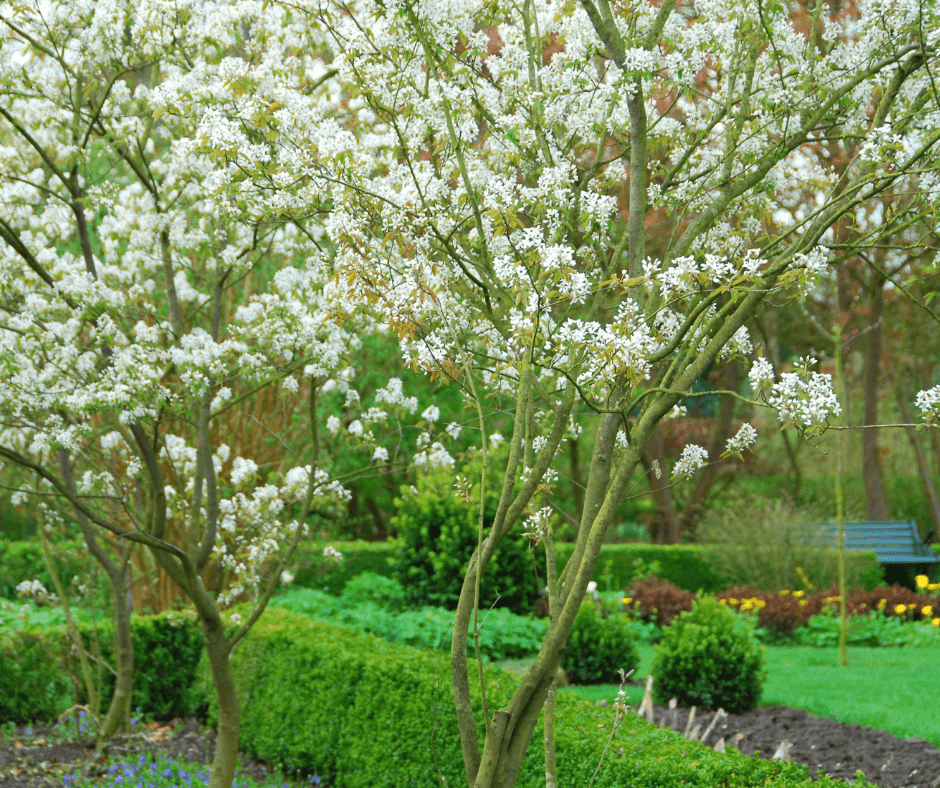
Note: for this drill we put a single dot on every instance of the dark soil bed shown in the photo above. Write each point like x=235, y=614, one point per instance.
x=37, y=760
x=822, y=744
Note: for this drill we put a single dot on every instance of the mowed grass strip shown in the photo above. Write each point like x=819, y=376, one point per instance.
x=892, y=689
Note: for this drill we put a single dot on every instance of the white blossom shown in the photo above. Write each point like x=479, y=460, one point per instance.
x=745, y=437
x=692, y=459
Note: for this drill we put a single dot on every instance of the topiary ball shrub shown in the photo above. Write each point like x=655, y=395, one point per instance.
x=710, y=658
x=599, y=647
x=437, y=534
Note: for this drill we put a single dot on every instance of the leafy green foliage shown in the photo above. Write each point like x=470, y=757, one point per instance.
x=33, y=681
x=438, y=533
x=40, y=674
x=312, y=570
x=369, y=605
x=709, y=658
x=24, y=561
x=873, y=629
x=599, y=647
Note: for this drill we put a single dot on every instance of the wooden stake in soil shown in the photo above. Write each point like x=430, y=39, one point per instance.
x=783, y=752
x=719, y=715
x=688, y=725
x=673, y=714
x=646, y=706
x=720, y=745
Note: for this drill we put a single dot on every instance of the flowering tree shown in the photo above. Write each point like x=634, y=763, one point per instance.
x=556, y=203
x=139, y=317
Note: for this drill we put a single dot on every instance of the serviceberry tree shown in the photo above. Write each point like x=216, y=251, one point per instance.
x=559, y=203
x=140, y=320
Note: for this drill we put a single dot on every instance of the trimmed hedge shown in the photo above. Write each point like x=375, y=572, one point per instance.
x=40, y=677
x=684, y=565
x=311, y=570
x=362, y=712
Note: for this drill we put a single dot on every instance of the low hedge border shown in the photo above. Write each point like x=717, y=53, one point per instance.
x=319, y=698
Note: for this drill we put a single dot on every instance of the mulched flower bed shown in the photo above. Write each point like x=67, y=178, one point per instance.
x=37, y=761
x=822, y=744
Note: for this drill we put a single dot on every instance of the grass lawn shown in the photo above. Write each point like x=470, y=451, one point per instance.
x=893, y=689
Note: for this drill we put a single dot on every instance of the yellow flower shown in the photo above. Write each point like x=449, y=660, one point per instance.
x=927, y=611
x=722, y=601
x=798, y=594
x=759, y=603
x=933, y=587
x=747, y=604
x=803, y=603
x=899, y=609
x=882, y=603
x=936, y=622
x=627, y=600
x=922, y=581
x=785, y=592
x=732, y=601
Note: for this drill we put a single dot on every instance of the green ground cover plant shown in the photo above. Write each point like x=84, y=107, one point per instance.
x=372, y=604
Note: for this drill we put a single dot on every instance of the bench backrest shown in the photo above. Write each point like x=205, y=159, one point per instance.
x=894, y=541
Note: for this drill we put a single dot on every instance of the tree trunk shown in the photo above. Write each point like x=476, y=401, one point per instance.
x=228, y=731
x=876, y=502
x=654, y=456
x=118, y=715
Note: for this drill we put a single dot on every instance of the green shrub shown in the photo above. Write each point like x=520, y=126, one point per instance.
x=34, y=681
x=40, y=676
x=167, y=648
x=684, y=565
x=599, y=647
x=371, y=587
x=710, y=658
x=437, y=533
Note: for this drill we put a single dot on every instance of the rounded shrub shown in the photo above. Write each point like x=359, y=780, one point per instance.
x=710, y=658
x=599, y=647
x=437, y=534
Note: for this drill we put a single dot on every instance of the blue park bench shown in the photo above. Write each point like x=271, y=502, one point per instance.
x=895, y=542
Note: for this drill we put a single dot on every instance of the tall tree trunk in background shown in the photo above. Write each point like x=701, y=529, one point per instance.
x=876, y=502
x=692, y=511
x=654, y=456
x=923, y=466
